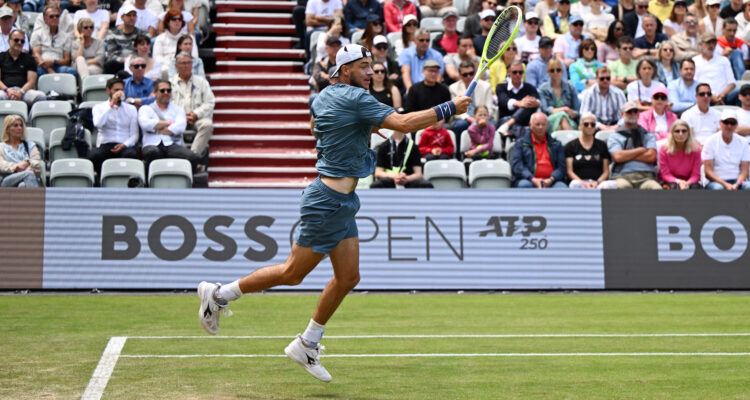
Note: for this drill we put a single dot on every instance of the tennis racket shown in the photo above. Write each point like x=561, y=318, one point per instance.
x=501, y=35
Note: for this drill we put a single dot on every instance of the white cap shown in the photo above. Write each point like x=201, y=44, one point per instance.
x=349, y=53
x=127, y=8
x=710, y=2
x=409, y=17
x=486, y=13
x=378, y=40
x=728, y=114
x=531, y=15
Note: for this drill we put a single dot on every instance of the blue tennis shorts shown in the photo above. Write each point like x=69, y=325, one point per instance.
x=327, y=217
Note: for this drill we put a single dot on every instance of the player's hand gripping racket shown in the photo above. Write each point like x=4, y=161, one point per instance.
x=503, y=31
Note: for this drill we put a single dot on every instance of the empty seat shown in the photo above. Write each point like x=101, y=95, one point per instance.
x=489, y=174
x=14, y=107
x=566, y=136
x=73, y=172
x=89, y=104
x=433, y=24
x=376, y=140
x=64, y=84
x=460, y=24
x=94, y=87
x=604, y=135
x=356, y=36
x=50, y=115
x=509, y=151
x=117, y=172
x=445, y=174
x=56, y=152
x=170, y=173
x=36, y=135
x=725, y=107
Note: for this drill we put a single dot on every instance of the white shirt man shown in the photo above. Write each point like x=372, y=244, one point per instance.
x=716, y=71
x=145, y=20
x=317, y=11
x=701, y=117
x=116, y=124
x=148, y=119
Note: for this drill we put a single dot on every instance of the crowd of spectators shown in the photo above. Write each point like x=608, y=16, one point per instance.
x=661, y=78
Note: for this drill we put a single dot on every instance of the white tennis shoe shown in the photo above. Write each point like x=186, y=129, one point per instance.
x=209, y=311
x=308, y=358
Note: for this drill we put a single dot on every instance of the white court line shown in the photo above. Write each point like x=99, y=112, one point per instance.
x=436, y=355
x=104, y=369
x=509, y=336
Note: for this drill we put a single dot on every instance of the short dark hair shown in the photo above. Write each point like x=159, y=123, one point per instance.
x=700, y=85
x=466, y=64
x=113, y=81
x=141, y=38
x=158, y=81
x=730, y=20
x=690, y=60
x=624, y=40
x=465, y=35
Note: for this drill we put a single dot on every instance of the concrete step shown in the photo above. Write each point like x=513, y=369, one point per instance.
x=254, y=18
x=263, y=141
x=258, y=79
x=256, y=42
x=239, y=115
x=232, y=29
x=259, y=66
x=229, y=156
x=255, y=5
x=261, y=90
x=280, y=173
x=258, y=183
x=262, y=102
x=262, y=128
x=243, y=53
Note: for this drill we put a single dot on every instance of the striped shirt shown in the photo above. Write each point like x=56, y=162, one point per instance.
x=605, y=107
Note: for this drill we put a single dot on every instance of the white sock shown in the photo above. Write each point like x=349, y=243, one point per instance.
x=231, y=291
x=312, y=335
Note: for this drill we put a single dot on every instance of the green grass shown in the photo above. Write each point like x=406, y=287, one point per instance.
x=51, y=345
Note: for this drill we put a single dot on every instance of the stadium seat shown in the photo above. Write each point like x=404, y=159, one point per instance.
x=356, y=36
x=56, y=151
x=745, y=76
x=49, y=115
x=117, y=172
x=88, y=104
x=445, y=174
x=509, y=151
x=434, y=35
x=65, y=84
x=566, y=136
x=170, y=173
x=94, y=87
x=604, y=135
x=489, y=174
x=314, y=44
x=14, y=107
x=364, y=183
x=740, y=83
x=460, y=24
x=73, y=172
x=393, y=38
x=463, y=8
x=722, y=108
x=376, y=140
x=433, y=24
x=36, y=135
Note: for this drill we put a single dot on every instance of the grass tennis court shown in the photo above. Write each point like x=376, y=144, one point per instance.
x=385, y=346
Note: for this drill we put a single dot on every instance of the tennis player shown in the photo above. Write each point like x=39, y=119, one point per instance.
x=344, y=115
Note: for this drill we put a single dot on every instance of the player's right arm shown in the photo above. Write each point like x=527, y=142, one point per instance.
x=417, y=120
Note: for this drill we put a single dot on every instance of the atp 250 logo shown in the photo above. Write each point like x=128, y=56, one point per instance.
x=526, y=227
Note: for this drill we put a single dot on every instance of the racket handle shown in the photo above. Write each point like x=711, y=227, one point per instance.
x=470, y=89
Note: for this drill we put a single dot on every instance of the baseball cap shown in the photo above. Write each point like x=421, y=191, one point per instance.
x=348, y=54
x=408, y=18
x=14, y=1
x=6, y=11
x=431, y=64
x=378, y=40
x=631, y=105
x=708, y=37
x=333, y=39
x=450, y=13
x=745, y=88
x=531, y=15
x=660, y=90
x=728, y=114
x=545, y=42
x=575, y=18
x=711, y=2
x=127, y=8
x=486, y=13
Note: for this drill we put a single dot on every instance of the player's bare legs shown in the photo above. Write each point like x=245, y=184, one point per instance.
x=300, y=262
x=345, y=261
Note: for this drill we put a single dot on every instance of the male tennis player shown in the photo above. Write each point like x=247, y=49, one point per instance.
x=344, y=115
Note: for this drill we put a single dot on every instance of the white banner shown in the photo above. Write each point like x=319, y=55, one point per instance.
x=409, y=239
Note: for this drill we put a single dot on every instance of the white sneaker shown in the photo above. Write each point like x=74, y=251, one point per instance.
x=308, y=358
x=209, y=311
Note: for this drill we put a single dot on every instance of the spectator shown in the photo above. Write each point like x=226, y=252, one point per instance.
x=711, y=23
x=607, y=50
x=487, y=18
x=556, y=23
x=120, y=41
x=154, y=68
x=544, y=7
x=65, y=24
x=587, y=159
x=621, y=8
x=716, y=71
x=100, y=18
x=566, y=45
x=20, y=159
x=516, y=103
x=395, y=11
x=743, y=114
x=674, y=24
x=319, y=76
x=163, y=123
x=473, y=26
x=680, y=159
x=687, y=42
x=581, y=7
x=583, y=70
x=733, y=47
x=380, y=53
x=6, y=27
x=428, y=93
x=703, y=119
x=465, y=53
x=446, y=42
x=436, y=8
x=482, y=96
x=682, y=90
x=381, y=87
x=184, y=43
x=194, y=94
x=482, y=135
x=726, y=156
x=499, y=69
x=667, y=68
x=528, y=44
x=640, y=91
x=50, y=46
x=699, y=8
x=166, y=43
x=634, y=21
x=646, y=45
x=408, y=34
x=358, y=13
x=662, y=9
x=624, y=69
x=536, y=73
x=139, y=90
x=179, y=6
x=435, y=143
x=559, y=100
x=731, y=10
x=318, y=15
x=603, y=100
x=87, y=51
x=743, y=26
x=539, y=159
x=597, y=22
x=373, y=28
x=117, y=122
x=413, y=60
x=18, y=73
x=21, y=22
x=521, y=4
x=336, y=28
x=658, y=119
x=398, y=164
x=145, y=20
x=633, y=151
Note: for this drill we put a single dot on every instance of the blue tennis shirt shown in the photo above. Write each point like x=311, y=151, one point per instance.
x=344, y=117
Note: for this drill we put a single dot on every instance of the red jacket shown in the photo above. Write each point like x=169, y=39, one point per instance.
x=431, y=139
x=394, y=17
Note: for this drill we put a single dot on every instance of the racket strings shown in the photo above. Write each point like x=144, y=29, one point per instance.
x=502, y=33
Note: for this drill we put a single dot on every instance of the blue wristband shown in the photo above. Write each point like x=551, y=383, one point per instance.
x=445, y=110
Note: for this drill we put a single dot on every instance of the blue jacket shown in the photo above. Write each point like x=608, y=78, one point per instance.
x=569, y=97
x=357, y=15
x=523, y=159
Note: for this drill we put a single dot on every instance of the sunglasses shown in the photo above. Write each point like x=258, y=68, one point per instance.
x=626, y=48
x=516, y=72
x=577, y=23
x=423, y=40
x=518, y=4
x=176, y=19
x=555, y=70
x=659, y=97
x=632, y=111
x=411, y=24
x=378, y=71
x=467, y=74
x=53, y=16
x=488, y=19
x=378, y=22
x=680, y=131
x=668, y=49
x=513, y=48
x=21, y=41
x=691, y=22
x=604, y=78
x=491, y=4
x=704, y=94
x=168, y=90
x=642, y=7
x=589, y=124
x=382, y=47
x=87, y=27
x=139, y=66
x=533, y=22
x=729, y=122
x=744, y=93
